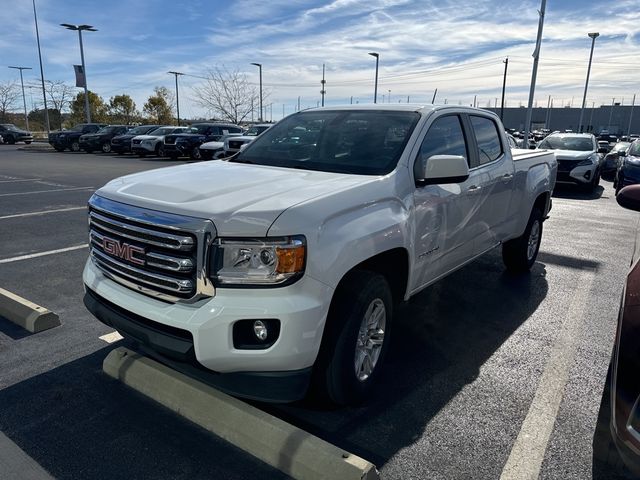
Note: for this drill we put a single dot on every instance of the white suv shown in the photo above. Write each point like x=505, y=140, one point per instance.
x=153, y=142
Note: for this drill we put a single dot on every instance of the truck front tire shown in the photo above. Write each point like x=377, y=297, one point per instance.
x=356, y=339
x=520, y=254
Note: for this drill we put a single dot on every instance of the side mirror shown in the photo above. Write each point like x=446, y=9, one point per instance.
x=622, y=153
x=629, y=197
x=603, y=150
x=444, y=169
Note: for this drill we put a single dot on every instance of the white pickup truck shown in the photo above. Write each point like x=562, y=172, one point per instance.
x=275, y=273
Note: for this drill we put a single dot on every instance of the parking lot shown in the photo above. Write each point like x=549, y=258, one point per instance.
x=488, y=374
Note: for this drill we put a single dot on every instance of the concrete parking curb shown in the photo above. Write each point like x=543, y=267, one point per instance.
x=277, y=443
x=39, y=147
x=26, y=314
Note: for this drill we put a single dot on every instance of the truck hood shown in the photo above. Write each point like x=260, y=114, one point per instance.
x=240, y=199
x=572, y=154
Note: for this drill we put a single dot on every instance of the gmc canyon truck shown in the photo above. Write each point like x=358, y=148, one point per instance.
x=274, y=274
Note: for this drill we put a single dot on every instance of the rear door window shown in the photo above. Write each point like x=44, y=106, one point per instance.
x=487, y=139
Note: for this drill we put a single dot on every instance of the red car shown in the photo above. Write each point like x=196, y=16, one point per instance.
x=625, y=383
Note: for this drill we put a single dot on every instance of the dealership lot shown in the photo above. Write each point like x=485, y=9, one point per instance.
x=488, y=376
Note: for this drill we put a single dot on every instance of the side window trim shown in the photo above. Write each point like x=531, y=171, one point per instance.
x=475, y=143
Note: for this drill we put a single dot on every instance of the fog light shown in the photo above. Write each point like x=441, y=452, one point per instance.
x=587, y=174
x=260, y=330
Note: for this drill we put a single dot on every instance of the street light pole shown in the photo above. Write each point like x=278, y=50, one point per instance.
x=504, y=85
x=24, y=100
x=79, y=29
x=177, y=95
x=322, y=83
x=534, y=73
x=375, y=91
x=44, y=93
x=259, y=65
x=593, y=37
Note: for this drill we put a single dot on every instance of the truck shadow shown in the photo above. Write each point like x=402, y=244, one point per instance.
x=440, y=340
x=574, y=192
x=78, y=423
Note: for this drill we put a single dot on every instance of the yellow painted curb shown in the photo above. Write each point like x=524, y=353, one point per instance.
x=277, y=443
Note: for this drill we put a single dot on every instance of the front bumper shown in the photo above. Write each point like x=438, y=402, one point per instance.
x=200, y=335
x=579, y=175
x=143, y=148
x=176, y=149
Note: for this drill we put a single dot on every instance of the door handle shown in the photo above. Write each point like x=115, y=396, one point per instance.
x=507, y=176
x=474, y=189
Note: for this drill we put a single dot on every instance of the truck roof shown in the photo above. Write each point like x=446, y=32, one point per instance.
x=398, y=107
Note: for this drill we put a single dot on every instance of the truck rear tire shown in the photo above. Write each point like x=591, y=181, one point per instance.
x=520, y=254
x=355, y=341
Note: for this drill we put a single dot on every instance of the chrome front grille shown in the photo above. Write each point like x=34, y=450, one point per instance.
x=158, y=254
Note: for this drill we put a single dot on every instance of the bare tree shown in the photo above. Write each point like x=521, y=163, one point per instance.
x=60, y=95
x=227, y=94
x=9, y=95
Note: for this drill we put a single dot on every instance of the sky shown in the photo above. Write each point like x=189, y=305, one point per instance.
x=455, y=46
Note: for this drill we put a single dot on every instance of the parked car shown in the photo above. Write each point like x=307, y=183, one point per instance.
x=608, y=137
x=101, y=140
x=611, y=160
x=280, y=268
x=187, y=143
x=628, y=167
x=234, y=144
x=513, y=143
x=604, y=146
x=152, y=143
x=122, y=143
x=209, y=150
x=578, y=158
x=12, y=134
x=625, y=361
x=70, y=139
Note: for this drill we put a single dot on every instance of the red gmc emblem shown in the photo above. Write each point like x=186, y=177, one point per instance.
x=131, y=253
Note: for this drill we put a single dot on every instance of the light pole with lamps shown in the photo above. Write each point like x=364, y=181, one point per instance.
x=259, y=65
x=79, y=29
x=593, y=37
x=24, y=101
x=177, y=95
x=375, y=91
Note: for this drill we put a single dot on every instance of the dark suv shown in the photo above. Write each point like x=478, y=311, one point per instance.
x=122, y=143
x=188, y=144
x=101, y=140
x=71, y=138
x=11, y=134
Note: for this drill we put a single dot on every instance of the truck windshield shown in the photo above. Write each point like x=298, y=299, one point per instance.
x=363, y=142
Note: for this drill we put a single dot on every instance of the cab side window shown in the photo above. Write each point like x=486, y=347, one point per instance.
x=445, y=137
x=487, y=138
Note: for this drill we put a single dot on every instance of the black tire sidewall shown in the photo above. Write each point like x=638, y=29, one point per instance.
x=106, y=147
x=359, y=290
x=514, y=252
x=74, y=147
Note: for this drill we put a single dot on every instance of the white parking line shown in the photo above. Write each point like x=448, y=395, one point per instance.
x=43, y=212
x=21, y=180
x=42, y=254
x=46, y=191
x=111, y=337
x=529, y=448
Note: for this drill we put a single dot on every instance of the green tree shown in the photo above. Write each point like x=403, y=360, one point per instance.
x=158, y=106
x=97, y=108
x=122, y=109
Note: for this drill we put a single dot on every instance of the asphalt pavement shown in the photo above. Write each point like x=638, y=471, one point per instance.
x=489, y=375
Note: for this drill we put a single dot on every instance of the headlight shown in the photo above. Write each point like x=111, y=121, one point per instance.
x=146, y=142
x=589, y=161
x=62, y=135
x=255, y=261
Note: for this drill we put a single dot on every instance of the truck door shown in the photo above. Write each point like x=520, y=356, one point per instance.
x=445, y=215
x=497, y=164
